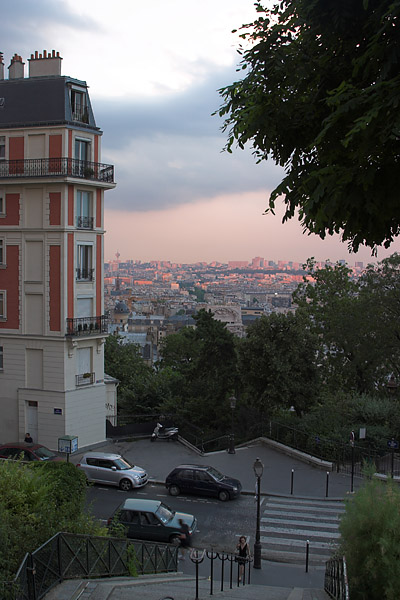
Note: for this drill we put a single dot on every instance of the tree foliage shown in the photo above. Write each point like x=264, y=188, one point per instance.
x=370, y=539
x=352, y=323
x=202, y=362
x=277, y=363
x=36, y=502
x=124, y=362
x=380, y=290
x=321, y=95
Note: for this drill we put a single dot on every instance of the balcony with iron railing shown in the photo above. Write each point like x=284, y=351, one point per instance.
x=56, y=167
x=84, y=222
x=84, y=274
x=84, y=379
x=83, y=326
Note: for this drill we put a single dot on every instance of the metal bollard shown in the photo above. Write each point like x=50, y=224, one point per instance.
x=291, y=482
x=327, y=484
x=307, y=554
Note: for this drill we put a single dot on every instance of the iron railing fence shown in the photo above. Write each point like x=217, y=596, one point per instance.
x=144, y=424
x=82, y=326
x=57, y=167
x=223, y=569
x=336, y=584
x=84, y=222
x=346, y=459
x=70, y=556
x=85, y=379
x=85, y=274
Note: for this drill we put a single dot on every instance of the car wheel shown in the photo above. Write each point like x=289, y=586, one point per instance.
x=223, y=496
x=125, y=485
x=174, y=490
x=175, y=539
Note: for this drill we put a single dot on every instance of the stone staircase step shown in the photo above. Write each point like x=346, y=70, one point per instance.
x=176, y=587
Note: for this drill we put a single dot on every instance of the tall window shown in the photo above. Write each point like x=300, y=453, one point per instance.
x=84, y=270
x=82, y=150
x=82, y=165
x=2, y=147
x=84, y=219
x=2, y=252
x=1, y=358
x=3, y=304
x=79, y=106
x=2, y=203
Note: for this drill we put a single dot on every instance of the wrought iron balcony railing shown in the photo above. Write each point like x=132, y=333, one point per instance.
x=83, y=326
x=84, y=379
x=85, y=274
x=56, y=167
x=84, y=222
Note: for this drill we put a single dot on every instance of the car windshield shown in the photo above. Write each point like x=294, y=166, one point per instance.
x=164, y=513
x=44, y=453
x=216, y=474
x=122, y=464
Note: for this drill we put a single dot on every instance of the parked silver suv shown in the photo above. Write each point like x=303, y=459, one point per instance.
x=112, y=469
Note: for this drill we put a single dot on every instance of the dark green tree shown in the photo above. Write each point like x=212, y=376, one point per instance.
x=36, y=502
x=278, y=363
x=370, y=541
x=202, y=364
x=125, y=363
x=357, y=321
x=320, y=95
x=351, y=357
x=380, y=290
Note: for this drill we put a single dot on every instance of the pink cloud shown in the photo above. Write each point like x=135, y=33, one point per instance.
x=225, y=228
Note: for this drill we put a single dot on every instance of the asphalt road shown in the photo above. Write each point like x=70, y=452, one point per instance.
x=219, y=523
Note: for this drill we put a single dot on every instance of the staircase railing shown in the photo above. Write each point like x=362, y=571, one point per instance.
x=229, y=575
x=70, y=555
x=336, y=584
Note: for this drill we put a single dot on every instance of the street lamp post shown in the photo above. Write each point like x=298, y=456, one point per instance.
x=258, y=468
x=352, y=461
x=231, y=450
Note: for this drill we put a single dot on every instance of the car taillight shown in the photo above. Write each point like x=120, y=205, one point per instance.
x=78, y=465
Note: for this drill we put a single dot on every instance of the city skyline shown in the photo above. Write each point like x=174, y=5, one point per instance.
x=153, y=79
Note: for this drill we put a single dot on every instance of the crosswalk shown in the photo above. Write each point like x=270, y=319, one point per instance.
x=287, y=524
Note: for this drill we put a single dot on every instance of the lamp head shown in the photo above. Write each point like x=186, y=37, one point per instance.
x=258, y=468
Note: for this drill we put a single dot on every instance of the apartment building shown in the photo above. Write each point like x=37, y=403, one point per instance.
x=52, y=323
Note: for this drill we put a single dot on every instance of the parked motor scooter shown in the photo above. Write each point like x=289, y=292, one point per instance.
x=164, y=433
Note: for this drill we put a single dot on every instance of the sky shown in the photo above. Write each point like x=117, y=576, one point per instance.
x=154, y=70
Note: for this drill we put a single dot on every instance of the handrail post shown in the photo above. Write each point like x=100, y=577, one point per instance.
x=31, y=577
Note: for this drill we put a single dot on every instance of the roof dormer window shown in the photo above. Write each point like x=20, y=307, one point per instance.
x=79, y=106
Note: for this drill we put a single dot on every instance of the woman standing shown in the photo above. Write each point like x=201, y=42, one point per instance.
x=243, y=554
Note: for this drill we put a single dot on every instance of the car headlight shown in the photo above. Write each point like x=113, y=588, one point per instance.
x=235, y=488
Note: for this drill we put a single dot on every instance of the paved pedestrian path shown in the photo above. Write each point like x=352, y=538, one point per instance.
x=175, y=587
x=288, y=523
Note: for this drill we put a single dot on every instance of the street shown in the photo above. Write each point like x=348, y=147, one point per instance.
x=219, y=523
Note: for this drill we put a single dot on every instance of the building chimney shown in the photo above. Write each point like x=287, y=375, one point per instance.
x=43, y=65
x=16, y=68
x=1, y=66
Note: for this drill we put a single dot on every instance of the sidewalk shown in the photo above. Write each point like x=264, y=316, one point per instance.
x=160, y=457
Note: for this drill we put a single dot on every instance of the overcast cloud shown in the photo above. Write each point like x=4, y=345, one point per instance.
x=153, y=71
x=166, y=146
